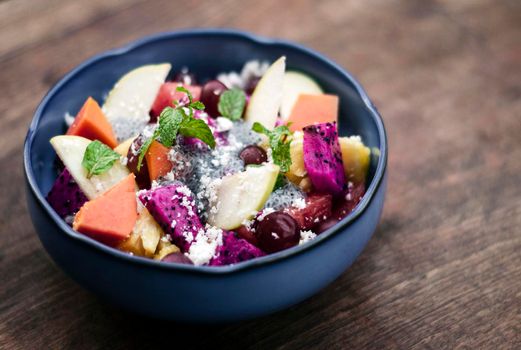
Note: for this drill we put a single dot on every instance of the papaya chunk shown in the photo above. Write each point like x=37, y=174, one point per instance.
x=91, y=123
x=110, y=217
x=311, y=109
x=157, y=161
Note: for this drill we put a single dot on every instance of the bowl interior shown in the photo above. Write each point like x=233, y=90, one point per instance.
x=205, y=54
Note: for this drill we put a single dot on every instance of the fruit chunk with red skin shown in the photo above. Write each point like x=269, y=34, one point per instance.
x=142, y=175
x=91, y=123
x=168, y=94
x=65, y=196
x=234, y=250
x=318, y=209
x=343, y=206
x=110, y=217
x=174, y=209
x=323, y=159
x=247, y=234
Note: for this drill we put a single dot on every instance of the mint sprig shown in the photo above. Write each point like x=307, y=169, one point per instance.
x=98, y=158
x=179, y=120
x=231, y=104
x=279, y=142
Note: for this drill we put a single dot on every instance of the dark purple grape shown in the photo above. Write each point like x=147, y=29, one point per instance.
x=142, y=176
x=178, y=257
x=251, y=84
x=210, y=96
x=185, y=77
x=253, y=154
x=277, y=231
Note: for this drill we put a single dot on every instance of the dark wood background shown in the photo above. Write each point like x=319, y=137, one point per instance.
x=442, y=271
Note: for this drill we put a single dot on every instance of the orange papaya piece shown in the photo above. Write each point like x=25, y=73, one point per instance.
x=110, y=217
x=91, y=123
x=311, y=109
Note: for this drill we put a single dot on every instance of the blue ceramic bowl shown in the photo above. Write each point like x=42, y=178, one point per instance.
x=188, y=293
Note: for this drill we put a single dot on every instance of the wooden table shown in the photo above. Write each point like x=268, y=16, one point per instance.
x=443, y=269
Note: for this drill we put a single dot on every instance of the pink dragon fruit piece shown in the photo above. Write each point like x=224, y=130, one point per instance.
x=174, y=209
x=234, y=250
x=65, y=196
x=323, y=158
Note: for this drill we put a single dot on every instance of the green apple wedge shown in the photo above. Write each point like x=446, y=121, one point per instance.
x=264, y=103
x=129, y=102
x=71, y=149
x=241, y=195
x=296, y=83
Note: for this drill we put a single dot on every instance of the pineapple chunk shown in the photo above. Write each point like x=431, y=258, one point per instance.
x=164, y=248
x=355, y=156
x=132, y=245
x=296, y=150
x=149, y=231
x=145, y=236
x=297, y=171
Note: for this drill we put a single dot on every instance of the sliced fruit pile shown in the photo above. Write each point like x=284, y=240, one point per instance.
x=208, y=174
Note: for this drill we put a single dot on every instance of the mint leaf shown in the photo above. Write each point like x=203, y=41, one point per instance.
x=98, y=158
x=231, y=104
x=169, y=122
x=176, y=120
x=261, y=129
x=197, y=105
x=191, y=127
x=279, y=141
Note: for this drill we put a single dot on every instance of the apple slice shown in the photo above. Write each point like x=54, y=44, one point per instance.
x=129, y=102
x=240, y=196
x=296, y=83
x=71, y=149
x=265, y=101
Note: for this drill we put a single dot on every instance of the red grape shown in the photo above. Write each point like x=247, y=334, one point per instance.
x=253, y=154
x=277, y=231
x=210, y=96
x=178, y=257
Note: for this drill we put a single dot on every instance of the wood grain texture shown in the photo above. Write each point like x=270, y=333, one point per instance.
x=443, y=270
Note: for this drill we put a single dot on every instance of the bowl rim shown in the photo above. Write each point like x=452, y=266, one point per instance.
x=258, y=262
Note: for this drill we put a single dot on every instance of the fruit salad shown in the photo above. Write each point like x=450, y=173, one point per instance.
x=212, y=172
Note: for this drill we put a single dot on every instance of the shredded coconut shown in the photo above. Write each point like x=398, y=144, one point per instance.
x=203, y=248
x=251, y=69
x=299, y=203
x=306, y=236
x=189, y=236
x=223, y=124
x=264, y=213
